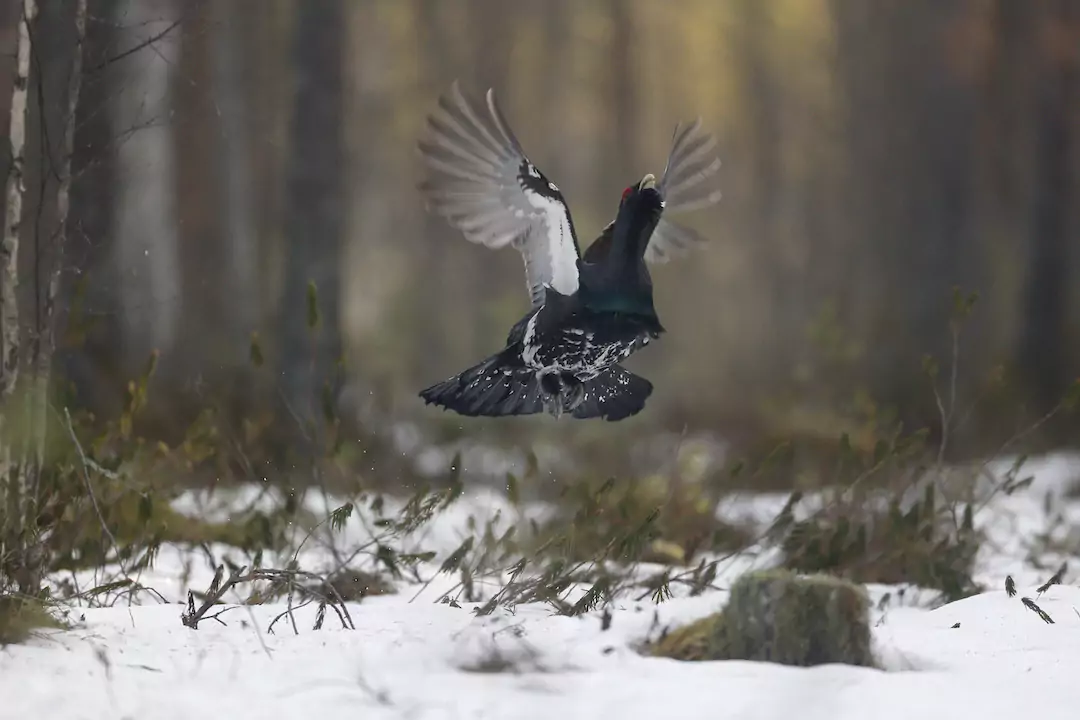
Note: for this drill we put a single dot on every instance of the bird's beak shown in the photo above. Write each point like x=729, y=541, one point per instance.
x=648, y=182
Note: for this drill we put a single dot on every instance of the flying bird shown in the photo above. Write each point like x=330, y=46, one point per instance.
x=588, y=312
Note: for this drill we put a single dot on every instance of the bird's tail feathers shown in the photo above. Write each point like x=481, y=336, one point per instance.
x=499, y=387
x=495, y=387
x=615, y=394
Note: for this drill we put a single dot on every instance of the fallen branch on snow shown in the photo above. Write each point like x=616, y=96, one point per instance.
x=330, y=598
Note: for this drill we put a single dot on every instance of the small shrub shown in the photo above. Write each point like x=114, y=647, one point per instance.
x=20, y=617
x=355, y=585
x=677, y=521
x=867, y=543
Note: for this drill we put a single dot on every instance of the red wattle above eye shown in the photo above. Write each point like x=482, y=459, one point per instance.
x=626, y=193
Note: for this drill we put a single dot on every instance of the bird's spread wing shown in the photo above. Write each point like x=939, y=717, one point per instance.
x=479, y=178
x=687, y=184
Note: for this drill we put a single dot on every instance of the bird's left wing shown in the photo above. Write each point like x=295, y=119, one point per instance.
x=480, y=180
x=687, y=184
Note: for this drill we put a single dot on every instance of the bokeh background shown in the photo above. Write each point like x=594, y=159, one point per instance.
x=877, y=154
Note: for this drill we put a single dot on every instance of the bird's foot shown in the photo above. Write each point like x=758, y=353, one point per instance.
x=561, y=393
x=573, y=395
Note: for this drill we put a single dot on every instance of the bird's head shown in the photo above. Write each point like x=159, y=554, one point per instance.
x=639, y=214
x=643, y=198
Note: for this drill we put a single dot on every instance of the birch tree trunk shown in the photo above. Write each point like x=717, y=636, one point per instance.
x=13, y=497
x=33, y=354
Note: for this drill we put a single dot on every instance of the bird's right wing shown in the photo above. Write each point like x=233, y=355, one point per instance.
x=480, y=180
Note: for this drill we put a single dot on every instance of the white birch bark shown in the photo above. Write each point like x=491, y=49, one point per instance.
x=10, y=494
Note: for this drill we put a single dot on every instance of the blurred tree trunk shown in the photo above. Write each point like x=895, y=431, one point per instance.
x=214, y=191
x=1042, y=349
x=909, y=124
x=206, y=285
x=553, y=92
x=761, y=105
x=941, y=152
x=235, y=296
x=267, y=28
x=231, y=83
x=314, y=210
x=623, y=155
x=145, y=250
x=376, y=302
x=494, y=23
x=88, y=310
x=440, y=256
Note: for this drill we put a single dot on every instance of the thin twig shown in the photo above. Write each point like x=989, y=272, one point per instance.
x=148, y=42
x=90, y=490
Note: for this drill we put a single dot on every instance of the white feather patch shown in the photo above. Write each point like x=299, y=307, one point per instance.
x=528, y=349
x=560, y=251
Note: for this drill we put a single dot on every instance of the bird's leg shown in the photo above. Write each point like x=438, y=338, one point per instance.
x=573, y=392
x=562, y=392
x=551, y=393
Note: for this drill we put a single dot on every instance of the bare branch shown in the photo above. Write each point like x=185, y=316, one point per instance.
x=148, y=42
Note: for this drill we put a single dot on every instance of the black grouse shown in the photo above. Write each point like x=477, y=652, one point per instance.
x=588, y=312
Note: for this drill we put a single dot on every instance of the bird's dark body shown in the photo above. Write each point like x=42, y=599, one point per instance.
x=561, y=352
x=567, y=336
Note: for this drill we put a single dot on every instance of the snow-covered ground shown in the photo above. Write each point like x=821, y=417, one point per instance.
x=411, y=657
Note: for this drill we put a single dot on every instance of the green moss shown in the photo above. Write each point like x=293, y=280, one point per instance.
x=776, y=616
x=690, y=642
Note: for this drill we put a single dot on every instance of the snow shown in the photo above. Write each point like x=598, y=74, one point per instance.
x=413, y=657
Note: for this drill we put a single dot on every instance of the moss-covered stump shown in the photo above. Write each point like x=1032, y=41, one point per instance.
x=780, y=617
x=777, y=616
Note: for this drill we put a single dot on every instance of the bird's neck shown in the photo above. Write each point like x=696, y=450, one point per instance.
x=618, y=285
x=619, y=280
x=626, y=301
x=630, y=237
